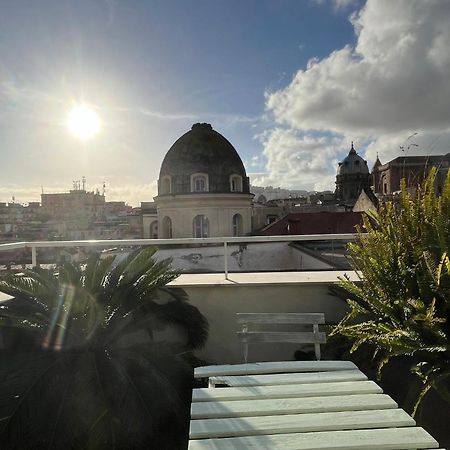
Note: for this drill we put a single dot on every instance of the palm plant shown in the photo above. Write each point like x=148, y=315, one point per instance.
x=92, y=371
x=401, y=304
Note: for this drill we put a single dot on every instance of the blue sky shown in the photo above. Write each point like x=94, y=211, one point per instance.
x=269, y=75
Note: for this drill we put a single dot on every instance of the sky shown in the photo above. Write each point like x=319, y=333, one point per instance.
x=290, y=83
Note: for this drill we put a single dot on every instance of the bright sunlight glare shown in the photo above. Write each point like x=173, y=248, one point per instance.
x=83, y=122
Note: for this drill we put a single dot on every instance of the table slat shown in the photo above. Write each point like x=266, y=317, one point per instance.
x=242, y=408
x=285, y=391
x=348, y=420
x=289, y=378
x=378, y=439
x=273, y=367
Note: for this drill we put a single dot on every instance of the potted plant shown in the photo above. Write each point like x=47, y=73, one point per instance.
x=400, y=307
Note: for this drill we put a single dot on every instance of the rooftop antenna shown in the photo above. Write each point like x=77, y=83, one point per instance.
x=84, y=182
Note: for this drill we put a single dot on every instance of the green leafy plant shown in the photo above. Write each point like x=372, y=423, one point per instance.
x=86, y=364
x=400, y=305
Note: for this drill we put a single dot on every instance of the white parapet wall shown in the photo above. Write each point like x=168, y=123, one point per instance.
x=219, y=300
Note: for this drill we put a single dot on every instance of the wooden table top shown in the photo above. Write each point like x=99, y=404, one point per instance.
x=298, y=405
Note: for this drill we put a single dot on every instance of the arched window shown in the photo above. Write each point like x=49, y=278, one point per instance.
x=199, y=182
x=235, y=183
x=154, y=230
x=167, y=228
x=237, y=225
x=201, y=226
x=166, y=185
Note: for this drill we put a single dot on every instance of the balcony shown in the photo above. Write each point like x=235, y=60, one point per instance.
x=224, y=276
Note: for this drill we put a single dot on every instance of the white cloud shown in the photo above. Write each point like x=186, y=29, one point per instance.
x=255, y=162
x=394, y=82
x=30, y=97
x=389, y=146
x=296, y=159
x=341, y=4
x=337, y=4
x=9, y=90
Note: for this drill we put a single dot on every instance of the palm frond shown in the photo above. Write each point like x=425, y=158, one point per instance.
x=105, y=388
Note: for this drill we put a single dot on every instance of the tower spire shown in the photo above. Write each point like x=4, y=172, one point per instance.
x=352, y=149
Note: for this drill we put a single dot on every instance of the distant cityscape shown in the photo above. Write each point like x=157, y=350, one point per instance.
x=204, y=191
x=80, y=214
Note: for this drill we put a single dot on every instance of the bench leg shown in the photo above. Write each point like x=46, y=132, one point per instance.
x=316, y=346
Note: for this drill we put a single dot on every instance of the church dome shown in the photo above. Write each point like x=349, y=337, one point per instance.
x=202, y=152
x=353, y=164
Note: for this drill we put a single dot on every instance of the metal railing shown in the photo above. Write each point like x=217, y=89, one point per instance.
x=224, y=241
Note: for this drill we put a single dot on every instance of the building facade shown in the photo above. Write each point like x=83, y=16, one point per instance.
x=149, y=220
x=203, y=188
x=413, y=169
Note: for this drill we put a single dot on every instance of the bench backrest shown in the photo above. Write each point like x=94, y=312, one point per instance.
x=299, y=337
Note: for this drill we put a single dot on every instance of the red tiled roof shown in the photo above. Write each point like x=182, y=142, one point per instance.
x=315, y=223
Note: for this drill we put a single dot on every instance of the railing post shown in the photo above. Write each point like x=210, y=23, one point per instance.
x=225, y=260
x=333, y=255
x=33, y=256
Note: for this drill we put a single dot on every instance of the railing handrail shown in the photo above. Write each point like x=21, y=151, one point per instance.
x=12, y=246
x=175, y=241
x=224, y=241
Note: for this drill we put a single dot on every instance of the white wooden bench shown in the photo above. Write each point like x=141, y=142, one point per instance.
x=248, y=320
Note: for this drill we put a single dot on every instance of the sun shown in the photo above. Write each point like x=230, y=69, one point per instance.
x=83, y=122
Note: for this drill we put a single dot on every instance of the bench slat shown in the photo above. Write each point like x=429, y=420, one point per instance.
x=379, y=439
x=283, y=336
x=289, y=378
x=273, y=367
x=245, y=408
x=348, y=420
x=286, y=391
x=282, y=318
